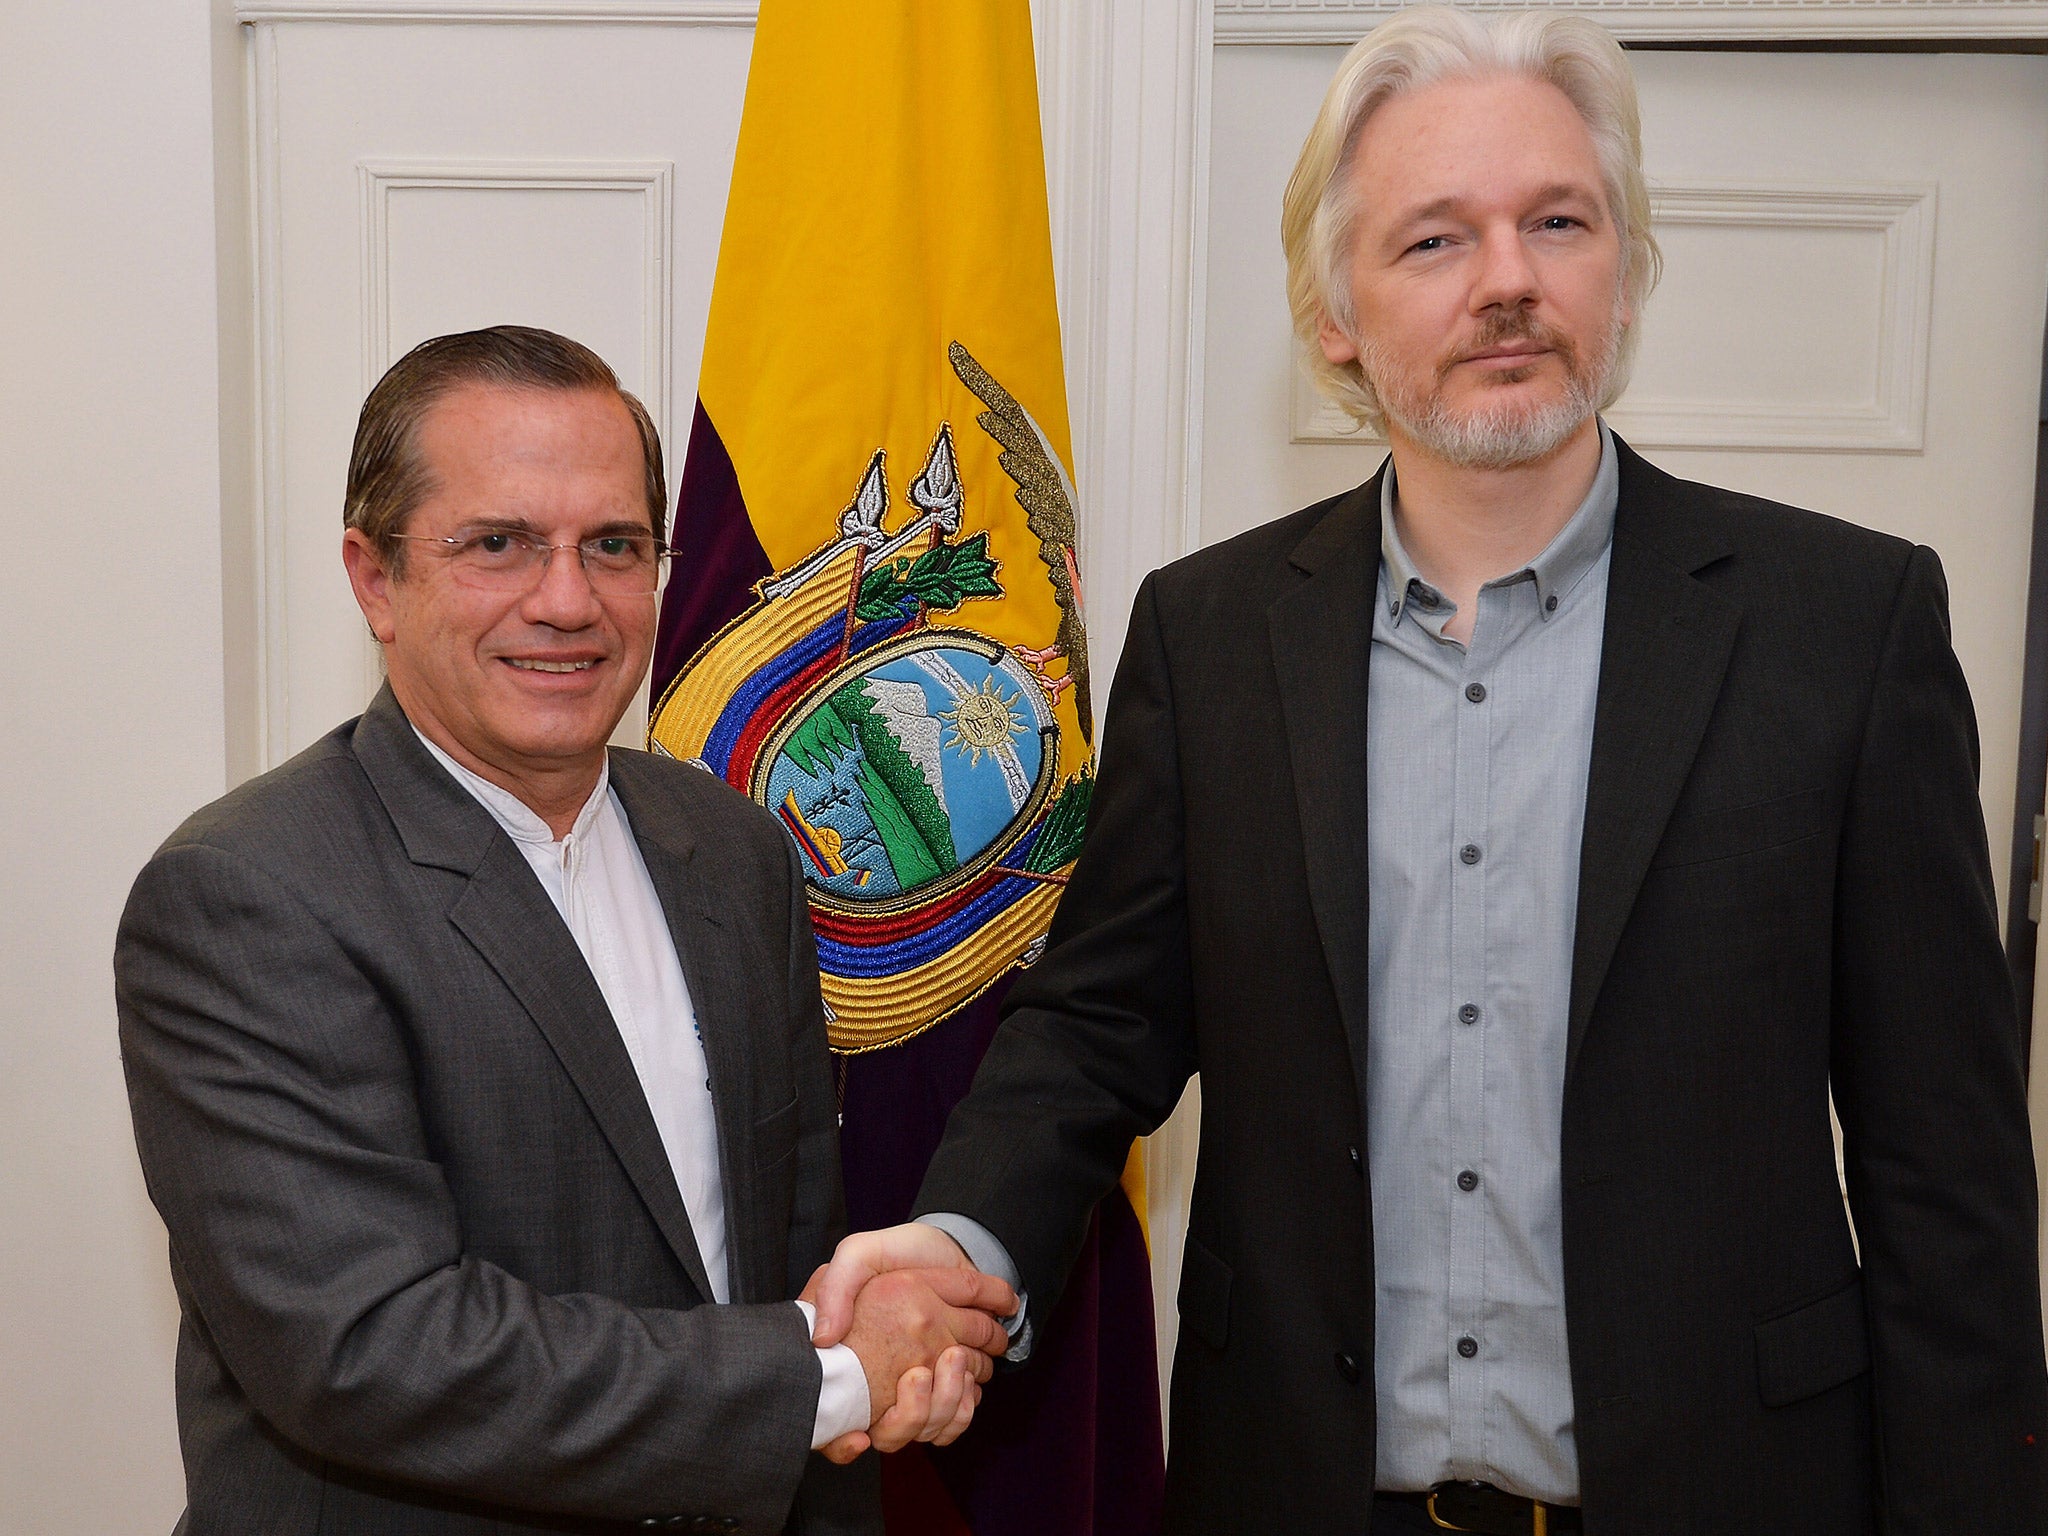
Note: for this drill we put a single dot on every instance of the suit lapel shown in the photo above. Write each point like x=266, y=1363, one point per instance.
x=720, y=990
x=1662, y=659
x=506, y=915
x=1321, y=634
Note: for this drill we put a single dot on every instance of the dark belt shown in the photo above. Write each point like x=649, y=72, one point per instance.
x=1489, y=1511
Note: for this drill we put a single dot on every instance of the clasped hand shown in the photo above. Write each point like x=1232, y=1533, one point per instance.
x=925, y=1324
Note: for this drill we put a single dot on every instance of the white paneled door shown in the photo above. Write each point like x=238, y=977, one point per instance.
x=1850, y=319
x=419, y=178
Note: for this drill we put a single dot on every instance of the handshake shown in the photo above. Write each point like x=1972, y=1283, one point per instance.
x=926, y=1325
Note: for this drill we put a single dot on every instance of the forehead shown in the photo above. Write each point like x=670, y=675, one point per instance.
x=1476, y=141
x=529, y=450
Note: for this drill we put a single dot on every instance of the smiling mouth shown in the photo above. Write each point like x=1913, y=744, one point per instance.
x=526, y=665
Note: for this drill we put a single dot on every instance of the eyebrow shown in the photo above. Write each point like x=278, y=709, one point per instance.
x=612, y=529
x=1555, y=192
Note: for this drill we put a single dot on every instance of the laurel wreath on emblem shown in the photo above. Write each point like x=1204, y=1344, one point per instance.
x=913, y=761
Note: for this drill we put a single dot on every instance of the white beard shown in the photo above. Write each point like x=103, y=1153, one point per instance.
x=1504, y=435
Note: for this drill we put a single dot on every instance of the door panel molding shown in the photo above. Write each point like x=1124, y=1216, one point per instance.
x=702, y=13
x=651, y=182
x=1304, y=21
x=1345, y=21
x=1883, y=410
x=271, y=712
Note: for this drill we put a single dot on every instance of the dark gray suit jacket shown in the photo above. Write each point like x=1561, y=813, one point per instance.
x=435, y=1271
x=1783, y=885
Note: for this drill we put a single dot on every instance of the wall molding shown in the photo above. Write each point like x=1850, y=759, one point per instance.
x=1127, y=135
x=1893, y=420
x=272, y=674
x=701, y=13
x=1345, y=21
x=1300, y=21
x=1125, y=91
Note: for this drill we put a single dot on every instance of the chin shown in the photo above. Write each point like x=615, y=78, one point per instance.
x=565, y=734
x=1505, y=423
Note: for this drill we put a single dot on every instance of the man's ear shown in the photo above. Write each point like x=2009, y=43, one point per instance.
x=370, y=578
x=1337, y=347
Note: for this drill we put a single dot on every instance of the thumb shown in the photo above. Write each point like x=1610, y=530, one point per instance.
x=810, y=1291
x=846, y=1448
x=832, y=1291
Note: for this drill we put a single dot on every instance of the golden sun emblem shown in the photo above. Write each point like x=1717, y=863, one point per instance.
x=982, y=720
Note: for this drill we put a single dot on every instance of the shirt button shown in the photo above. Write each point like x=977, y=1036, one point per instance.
x=1468, y=1181
x=1469, y=853
x=1349, y=1366
x=1550, y=605
x=1476, y=692
x=1469, y=1014
x=1468, y=1346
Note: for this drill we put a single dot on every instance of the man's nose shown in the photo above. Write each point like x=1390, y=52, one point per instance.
x=563, y=596
x=1506, y=278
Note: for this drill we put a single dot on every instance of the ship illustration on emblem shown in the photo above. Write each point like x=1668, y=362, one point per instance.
x=914, y=761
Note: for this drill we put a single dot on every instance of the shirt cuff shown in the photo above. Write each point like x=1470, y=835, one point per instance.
x=985, y=1251
x=843, y=1403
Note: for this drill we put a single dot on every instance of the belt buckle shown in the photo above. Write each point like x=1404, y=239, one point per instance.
x=1539, y=1515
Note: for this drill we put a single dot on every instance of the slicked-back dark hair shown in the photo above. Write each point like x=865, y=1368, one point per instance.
x=387, y=478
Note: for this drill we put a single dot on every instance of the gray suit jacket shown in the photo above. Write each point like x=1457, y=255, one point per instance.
x=435, y=1271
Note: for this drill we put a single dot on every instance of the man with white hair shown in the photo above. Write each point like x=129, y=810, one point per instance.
x=1521, y=846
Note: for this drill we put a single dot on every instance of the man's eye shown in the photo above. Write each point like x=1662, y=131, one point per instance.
x=618, y=551
x=492, y=544
x=1432, y=243
x=1560, y=221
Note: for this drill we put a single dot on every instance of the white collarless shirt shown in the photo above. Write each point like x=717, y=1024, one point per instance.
x=598, y=881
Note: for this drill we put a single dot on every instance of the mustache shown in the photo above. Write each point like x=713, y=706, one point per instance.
x=1513, y=325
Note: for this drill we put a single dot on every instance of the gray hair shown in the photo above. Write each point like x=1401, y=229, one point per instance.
x=387, y=477
x=1421, y=47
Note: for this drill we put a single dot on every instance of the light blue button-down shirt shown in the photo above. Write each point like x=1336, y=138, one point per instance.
x=1476, y=781
x=1476, y=786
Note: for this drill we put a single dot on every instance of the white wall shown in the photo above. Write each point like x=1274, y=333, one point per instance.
x=111, y=713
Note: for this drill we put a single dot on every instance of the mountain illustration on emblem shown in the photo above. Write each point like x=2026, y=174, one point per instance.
x=906, y=773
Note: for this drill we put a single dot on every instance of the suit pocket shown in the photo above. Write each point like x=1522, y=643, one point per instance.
x=1204, y=1294
x=1805, y=1352
x=775, y=1136
x=1700, y=837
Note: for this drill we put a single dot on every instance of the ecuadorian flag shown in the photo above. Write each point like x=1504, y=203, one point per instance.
x=874, y=629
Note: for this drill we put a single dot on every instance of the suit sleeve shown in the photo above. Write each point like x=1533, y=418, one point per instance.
x=1929, y=1085
x=1097, y=1039
x=317, y=1244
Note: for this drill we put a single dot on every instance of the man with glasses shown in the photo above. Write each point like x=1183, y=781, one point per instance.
x=479, y=1072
